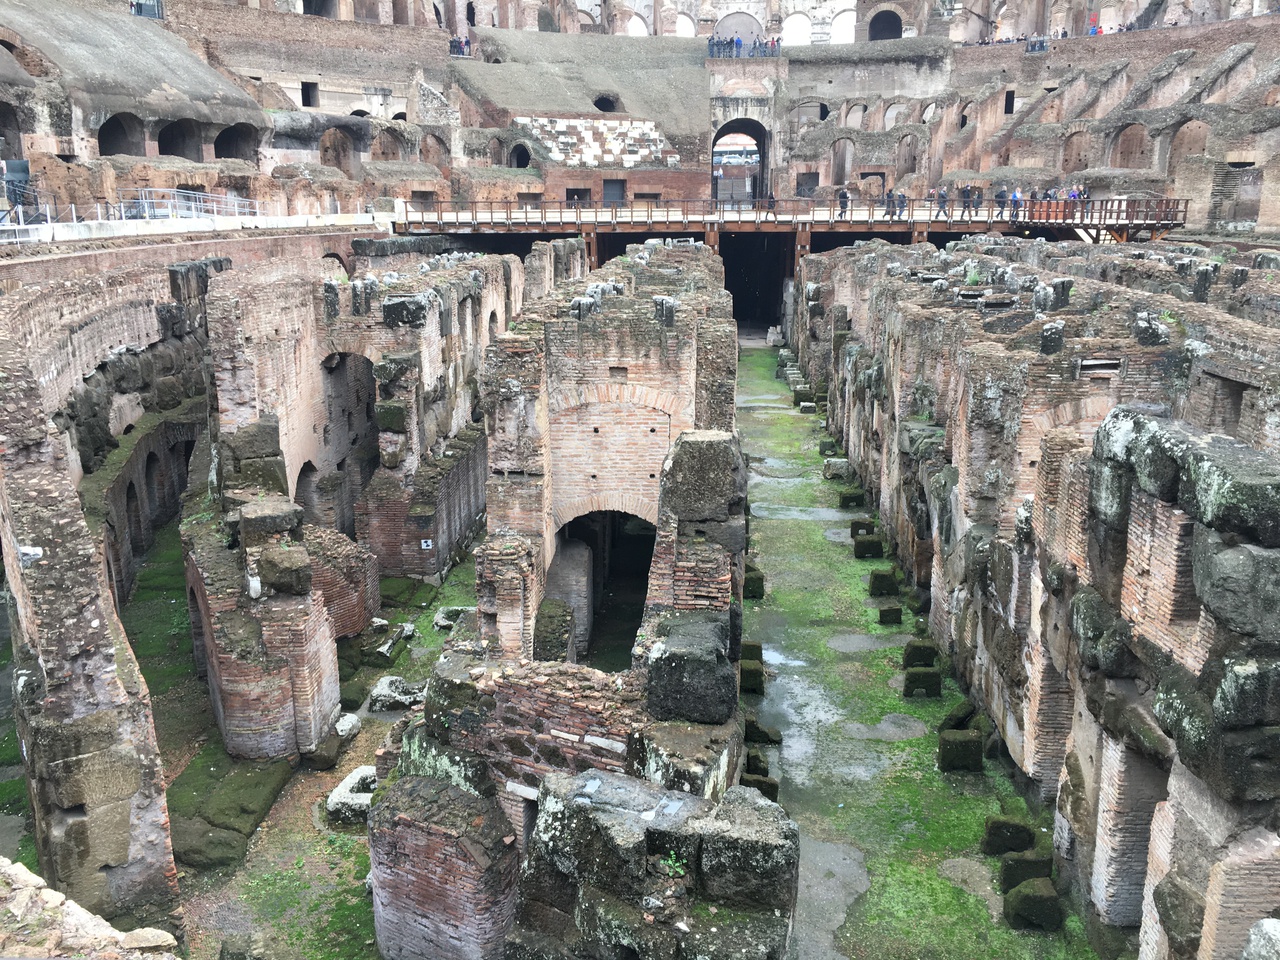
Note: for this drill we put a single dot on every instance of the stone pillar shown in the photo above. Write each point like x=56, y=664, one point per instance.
x=444, y=868
x=1130, y=788
x=1244, y=887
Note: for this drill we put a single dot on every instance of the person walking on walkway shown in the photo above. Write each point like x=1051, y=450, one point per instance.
x=966, y=201
x=942, y=203
x=1002, y=198
x=902, y=205
x=843, y=197
x=977, y=201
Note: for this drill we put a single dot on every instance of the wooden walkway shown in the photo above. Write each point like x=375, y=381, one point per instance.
x=1096, y=221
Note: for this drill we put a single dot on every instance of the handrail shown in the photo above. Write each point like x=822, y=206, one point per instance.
x=1101, y=213
x=152, y=203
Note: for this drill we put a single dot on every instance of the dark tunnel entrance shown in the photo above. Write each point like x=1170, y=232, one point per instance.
x=755, y=266
x=621, y=554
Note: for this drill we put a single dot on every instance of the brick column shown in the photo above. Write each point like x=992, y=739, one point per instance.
x=1243, y=888
x=1130, y=789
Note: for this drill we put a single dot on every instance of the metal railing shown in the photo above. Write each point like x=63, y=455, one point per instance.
x=155, y=203
x=681, y=213
x=151, y=9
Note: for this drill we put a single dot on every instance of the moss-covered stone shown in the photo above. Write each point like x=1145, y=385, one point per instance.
x=198, y=843
x=1017, y=868
x=890, y=616
x=766, y=785
x=353, y=694
x=553, y=630
x=958, y=717
x=1006, y=835
x=286, y=569
x=392, y=416
x=751, y=676
x=960, y=750
x=868, y=548
x=752, y=650
x=753, y=584
x=919, y=653
x=756, y=733
x=882, y=583
x=926, y=680
x=1034, y=904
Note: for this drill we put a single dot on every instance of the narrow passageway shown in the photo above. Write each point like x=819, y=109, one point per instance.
x=890, y=862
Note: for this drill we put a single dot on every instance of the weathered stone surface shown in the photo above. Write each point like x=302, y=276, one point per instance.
x=890, y=615
x=753, y=584
x=919, y=653
x=1264, y=941
x=960, y=750
x=1006, y=835
x=350, y=800
x=690, y=674
x=958, y=717
x=882, y=583
x=926, y=680
x=286, y=569
x=1034, y=903
x=1017, y=868
x=395, y=693
x=752, y=676
x=1239, y=584
x=868, y=547
x=707, y=477
x=200, y=844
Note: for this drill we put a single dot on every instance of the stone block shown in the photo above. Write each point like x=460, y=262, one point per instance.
x=253, y=441
x=286, y=569
x=1033, y=904
x=349, y=802
x=827, y=448
x=553, y=630
x=1264, y=940
x=808, y=408
x=756, y=733
x=392, y=416
x=750, y=858
x=1006, y=835
x=169, y=393
x=882, y=583
x=766, y=785
x=837, y=468
x=202, y=845
x=890, y=615
x=396, y=693
x=1240, y=584
x=960, y=750
x=803, y=393
x=854, y=500
x=868, y=548
x=757, y=762
x=752, y=676
x=325, y=755
x=266, y=473
x=958, y=717
x=262, y=519
x=690, y=674
x=1018, y=868
x=926, y=680
x=706, y=478
x=919, y=653
x=752, y=650
x=753, y=584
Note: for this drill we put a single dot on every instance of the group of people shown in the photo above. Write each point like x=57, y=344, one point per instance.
x=729, y=47
x=1007, y=203
x=459, y=47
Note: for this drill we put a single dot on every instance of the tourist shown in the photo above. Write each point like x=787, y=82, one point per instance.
x=902, y=205
x=942, y=203
x=773, y=203
x=466, y=47
x=977, y=200
x=1015, y=204
x=843, y=197
x=1002, y=198
x=737, y=45
x=966, y=201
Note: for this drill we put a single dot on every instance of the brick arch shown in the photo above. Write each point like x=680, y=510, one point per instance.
x=612, y=500
x=630, y=393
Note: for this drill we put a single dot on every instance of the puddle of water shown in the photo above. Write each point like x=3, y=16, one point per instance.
x=776, y=658
x=863, y=642
x=773, y=511
x=838, y=535
x=894, y=727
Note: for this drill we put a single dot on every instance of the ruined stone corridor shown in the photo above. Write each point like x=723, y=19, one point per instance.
x=891, y=867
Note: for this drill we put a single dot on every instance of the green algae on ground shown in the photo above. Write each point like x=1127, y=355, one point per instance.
x=156, y=617
x=225, y=792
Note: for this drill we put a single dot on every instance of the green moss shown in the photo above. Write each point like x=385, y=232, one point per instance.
x=10, y=751
x=27, y=855
x=13, y=797
x=227, y=793
x=156, y=617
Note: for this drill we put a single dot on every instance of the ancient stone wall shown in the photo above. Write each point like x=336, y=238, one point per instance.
x=1009, y=405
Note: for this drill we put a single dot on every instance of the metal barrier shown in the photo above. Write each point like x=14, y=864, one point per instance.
x=151, y=9
x=1102, y=214
x=154, y=203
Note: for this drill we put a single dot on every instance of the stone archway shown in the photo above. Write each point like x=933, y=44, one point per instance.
x=753, y=130
x=885, y=25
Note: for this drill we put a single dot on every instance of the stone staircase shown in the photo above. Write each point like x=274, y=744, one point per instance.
x=1223, y=193
x=591, y=142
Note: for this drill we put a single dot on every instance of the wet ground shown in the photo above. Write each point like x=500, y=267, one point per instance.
x=890, y=866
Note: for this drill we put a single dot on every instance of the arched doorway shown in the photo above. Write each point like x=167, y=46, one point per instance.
x=336, y=150
x=1075, y=152
x=842, y=161
x=745, y=182
x=133, y=520
x=685, y=26
x=181, y=139
x=743, y=25
x=519, y=157
x=122, y=134
x=151, y=473
x=797, y=31
x=637, y=27
x=387, y=145
x=305, y=494
x=620, y=552
x=885, y=25
x=844, y=26
x=1132, y=147
x=237, y=143
x=1191, y=140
